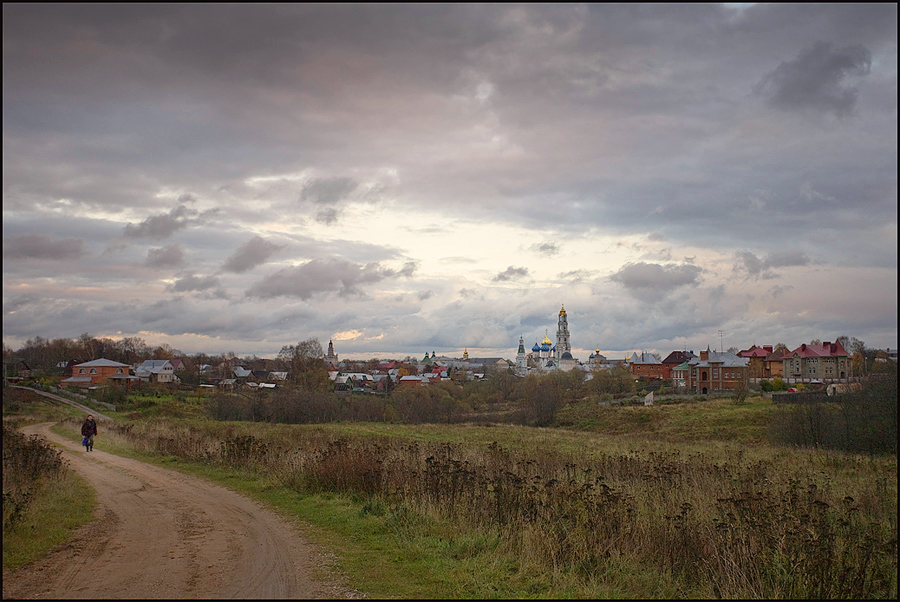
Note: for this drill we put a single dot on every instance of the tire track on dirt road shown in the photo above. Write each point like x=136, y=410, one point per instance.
x=163, y=534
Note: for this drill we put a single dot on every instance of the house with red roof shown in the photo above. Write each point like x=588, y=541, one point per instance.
x=828, y=362
x=674, y=359
x=757, y=356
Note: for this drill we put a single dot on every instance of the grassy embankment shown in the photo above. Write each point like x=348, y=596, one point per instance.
x=670, y=501
x=43, y=501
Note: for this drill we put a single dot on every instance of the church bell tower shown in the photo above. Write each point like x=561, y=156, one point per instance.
x=562, y=334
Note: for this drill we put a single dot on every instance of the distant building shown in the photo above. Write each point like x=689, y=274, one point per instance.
x=647, y=365
x=759, y=367
x=826, y=362
x=95, y=372
x=331, y=357
x=714, y=371
x=674, y=359
x=547, y=356
x=156, y=371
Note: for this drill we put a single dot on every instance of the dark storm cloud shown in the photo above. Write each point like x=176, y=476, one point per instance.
x=325, y=275
x=38, y=246
x=653, y=277
x=817, y=79
x=510, y=273
x=171, y=256
x=748, y=264
x=252, y=253
x=162, y=226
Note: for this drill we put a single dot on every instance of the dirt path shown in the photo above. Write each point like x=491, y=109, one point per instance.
x=162, y=534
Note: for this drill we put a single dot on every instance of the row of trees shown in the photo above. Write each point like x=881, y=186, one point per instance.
x=500, y=397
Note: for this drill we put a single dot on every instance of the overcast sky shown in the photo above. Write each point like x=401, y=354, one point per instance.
x=402, y=179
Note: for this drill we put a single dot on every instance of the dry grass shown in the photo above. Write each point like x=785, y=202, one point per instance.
x=709, y=520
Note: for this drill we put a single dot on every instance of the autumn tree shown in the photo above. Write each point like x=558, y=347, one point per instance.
x=306, y=365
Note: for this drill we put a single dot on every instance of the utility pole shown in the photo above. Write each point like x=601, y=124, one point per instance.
x=721, y=344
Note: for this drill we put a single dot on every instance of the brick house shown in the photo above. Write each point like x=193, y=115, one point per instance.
x=774, y=363
x=675, y=359
x=646, y=365
x=757, y=356
x=95, y=372
x=716, y=371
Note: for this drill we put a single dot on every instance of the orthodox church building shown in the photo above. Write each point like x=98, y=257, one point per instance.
x=331, y=357
x=545, y=355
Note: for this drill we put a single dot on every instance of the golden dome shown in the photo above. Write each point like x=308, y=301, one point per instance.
x=562, y=311
x=546, y=341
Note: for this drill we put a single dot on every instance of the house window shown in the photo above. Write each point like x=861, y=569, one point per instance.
x=118, y=371
x=81, y=371
x=715, y=372
x=93, y=371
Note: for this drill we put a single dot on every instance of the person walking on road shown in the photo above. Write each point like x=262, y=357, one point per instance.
x=88, y=430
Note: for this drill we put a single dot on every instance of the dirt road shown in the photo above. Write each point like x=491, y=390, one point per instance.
x=162, y=534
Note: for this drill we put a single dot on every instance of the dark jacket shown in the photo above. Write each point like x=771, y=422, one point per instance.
x=89, y=428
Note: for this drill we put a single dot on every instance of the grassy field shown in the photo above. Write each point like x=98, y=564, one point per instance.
x=683, y=500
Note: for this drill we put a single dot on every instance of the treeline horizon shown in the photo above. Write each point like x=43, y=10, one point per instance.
x=46, y=355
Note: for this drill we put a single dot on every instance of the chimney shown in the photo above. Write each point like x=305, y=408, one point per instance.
x=767, y=348
x=704, y=355
x=826, y=344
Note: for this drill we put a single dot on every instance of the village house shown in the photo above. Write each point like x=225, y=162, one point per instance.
x=713, y=371
x=95, y=372
x=827, y=362
x=646, y=365
x=156, y=371
x=757, y=356
x=674, y=359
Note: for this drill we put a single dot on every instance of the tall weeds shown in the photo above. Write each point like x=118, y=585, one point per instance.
x=760, y=529
x=27, y=463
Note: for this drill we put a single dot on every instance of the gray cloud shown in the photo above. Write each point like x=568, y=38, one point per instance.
x=816, y=79
x=252, y=253
x=171, y=256
x=576, y=275
x=328, y=195
x=751, y=266
x=194, y=283
x=162, y=226
x=325, y=275
x=645, y=277
x=510, y=273
x=547, y=249
x=39, y=246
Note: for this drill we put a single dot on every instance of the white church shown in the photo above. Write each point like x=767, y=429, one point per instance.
x=546, y=356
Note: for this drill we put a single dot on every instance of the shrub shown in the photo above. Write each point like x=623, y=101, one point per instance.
x=27, y=461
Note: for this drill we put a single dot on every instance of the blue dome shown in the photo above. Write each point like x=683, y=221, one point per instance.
x=545, y=347
x=536, y=347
